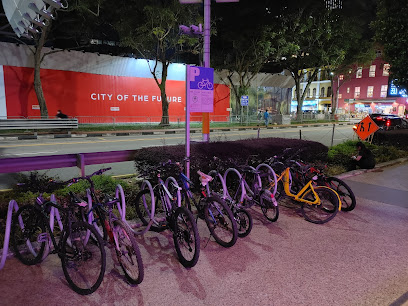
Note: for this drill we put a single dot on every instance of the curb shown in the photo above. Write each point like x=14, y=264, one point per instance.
x=379, y=166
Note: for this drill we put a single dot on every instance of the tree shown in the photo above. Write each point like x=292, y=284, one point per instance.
x=391, y=32
x=241, y=46
x=46, y=35
x=300, y=38
x=154, y=34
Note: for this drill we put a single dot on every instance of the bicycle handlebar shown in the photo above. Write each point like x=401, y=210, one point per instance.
x=88, y=177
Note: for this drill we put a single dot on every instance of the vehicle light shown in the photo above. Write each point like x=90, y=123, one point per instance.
x=379, y=118
x=388, y=122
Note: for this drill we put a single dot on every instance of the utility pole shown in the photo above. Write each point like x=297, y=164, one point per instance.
x=206, y=55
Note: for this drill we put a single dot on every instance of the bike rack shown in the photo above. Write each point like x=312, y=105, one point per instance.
x=13, y=206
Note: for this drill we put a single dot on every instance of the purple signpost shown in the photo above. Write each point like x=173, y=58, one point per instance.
x=207, y=33
x=199, y=98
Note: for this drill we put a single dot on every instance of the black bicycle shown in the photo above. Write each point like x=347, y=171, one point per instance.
x=78, y=244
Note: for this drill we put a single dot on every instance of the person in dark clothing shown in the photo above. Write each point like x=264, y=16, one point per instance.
x=61, y=115
x=364, y=158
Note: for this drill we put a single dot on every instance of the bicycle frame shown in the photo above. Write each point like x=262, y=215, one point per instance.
x=285, y=176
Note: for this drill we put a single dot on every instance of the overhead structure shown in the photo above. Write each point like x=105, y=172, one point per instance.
x=28, y=17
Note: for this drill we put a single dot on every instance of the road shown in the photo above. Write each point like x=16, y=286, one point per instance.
x=20, y=148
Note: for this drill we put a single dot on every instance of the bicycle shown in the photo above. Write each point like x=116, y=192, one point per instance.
x=174, y=216
x=319, y=204
x=215, y=212
x=238, y=189
x=80, y=247
x=117, y=232
x=217, y=186
x=347, y=197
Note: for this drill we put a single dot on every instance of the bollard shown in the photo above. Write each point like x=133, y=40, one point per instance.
x=300, y=134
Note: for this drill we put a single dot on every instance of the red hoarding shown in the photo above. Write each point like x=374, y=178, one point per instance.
x=98, y=98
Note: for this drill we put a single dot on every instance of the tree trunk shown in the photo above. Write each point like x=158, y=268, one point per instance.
x=165, y=104
x=37, y=72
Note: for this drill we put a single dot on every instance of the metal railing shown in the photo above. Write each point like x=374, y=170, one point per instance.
x=18, y=164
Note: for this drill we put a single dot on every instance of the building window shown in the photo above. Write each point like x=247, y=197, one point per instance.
x=308, y=92
x=314, y=92
x=386, y=70
x=359, y=73
x=378, y=53
x=372, y=71
x=322, y=92
x=370, y=91
x=357, y=92
x=348, y=89
x=341, y=77
x=384, y=89
x=329, y=91
x=340, y=96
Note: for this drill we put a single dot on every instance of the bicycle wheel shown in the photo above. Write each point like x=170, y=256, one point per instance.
x=185, y=236
x=348, y=200
x=244, y=222
x=129, y=256
x=28, y=235
x=220, y=221
x=325, y=210
x=269, y=206
x=83, y=258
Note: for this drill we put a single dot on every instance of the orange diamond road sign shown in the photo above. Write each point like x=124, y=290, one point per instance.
x=365, y=128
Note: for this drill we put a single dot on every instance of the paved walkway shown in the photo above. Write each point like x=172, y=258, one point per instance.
x=358, y=258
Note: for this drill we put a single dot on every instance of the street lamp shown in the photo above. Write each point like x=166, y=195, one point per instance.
x=206, y=55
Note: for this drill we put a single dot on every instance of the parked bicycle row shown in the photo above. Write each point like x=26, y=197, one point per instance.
x=223, y=200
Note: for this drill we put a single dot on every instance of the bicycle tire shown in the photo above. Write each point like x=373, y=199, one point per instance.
x=347, y=197
x=83, y=258
x=186, y=237
x=323, y=212
x=244, y=222
x=27, y=244
x=220, y=221
x=269, y=208
x=128, y=254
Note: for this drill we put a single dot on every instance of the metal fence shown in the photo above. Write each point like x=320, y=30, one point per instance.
x=196, y=120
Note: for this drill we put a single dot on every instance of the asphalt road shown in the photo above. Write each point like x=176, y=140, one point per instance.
x=50, y=146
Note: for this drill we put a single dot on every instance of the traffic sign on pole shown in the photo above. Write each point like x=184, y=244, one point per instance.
x=244, y=100
x=365, y=128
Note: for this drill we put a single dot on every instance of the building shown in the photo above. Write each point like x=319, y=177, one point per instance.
x=369, y=90
x=318, y=95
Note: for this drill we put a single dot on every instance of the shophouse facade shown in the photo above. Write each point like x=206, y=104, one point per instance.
x=318, y=95
x=369, y=90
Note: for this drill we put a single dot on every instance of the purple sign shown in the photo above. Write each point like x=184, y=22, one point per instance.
x=200, y=89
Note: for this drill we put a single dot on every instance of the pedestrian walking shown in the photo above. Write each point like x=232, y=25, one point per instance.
x=266, y=117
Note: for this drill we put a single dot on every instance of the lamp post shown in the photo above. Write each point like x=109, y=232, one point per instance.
x=206, y=53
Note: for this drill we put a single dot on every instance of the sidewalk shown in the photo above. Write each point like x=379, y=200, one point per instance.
x=358, y=258
x=81, y=134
